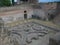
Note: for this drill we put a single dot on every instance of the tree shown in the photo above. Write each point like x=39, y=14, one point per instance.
x=5, y=3
x=12, y=2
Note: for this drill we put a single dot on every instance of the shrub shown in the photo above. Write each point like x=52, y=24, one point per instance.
x=5, y=3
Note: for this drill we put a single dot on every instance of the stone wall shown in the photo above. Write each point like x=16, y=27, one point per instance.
x=16, y=7
x=40, y=13
x=33, y=1
x=4, y=9
x=49, y=9
x=48, y=6
x=12, y=18
x=55, y=40
x=57, y=18
x=11, y=14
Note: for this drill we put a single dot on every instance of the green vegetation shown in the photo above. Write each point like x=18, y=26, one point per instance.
x=5, y=3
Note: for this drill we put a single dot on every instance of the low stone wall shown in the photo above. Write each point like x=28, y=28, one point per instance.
x=4, y=9
x=12, y=18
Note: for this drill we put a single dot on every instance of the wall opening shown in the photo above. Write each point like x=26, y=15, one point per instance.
x=25, y=14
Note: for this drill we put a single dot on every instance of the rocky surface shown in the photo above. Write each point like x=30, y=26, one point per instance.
x=27, y=34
